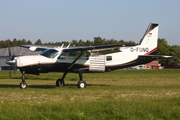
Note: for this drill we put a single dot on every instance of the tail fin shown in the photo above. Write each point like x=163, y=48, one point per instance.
x=148, y=43
x=150, y=36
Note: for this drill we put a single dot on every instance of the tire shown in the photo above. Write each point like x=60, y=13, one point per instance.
x=23, y=85
x=81, y=84
x=60, y=83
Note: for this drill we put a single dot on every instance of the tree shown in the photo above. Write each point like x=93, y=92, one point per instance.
x=38, y=42
x=29, y=42
x=175, y=52
x=111, y=41
x=163, y=49
x=74, y=42
x=14, y=42
x=81, y=43
x=23, y=42
x=88, y=43
x=98, y=41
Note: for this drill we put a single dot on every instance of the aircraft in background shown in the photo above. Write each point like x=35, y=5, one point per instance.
x=87, y=59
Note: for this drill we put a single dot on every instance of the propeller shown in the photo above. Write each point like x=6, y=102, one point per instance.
x=10, y=55
x=11, y=62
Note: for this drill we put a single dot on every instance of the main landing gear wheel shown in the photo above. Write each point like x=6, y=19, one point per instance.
x=81, y=84
x=60, y=83
x=23, y=85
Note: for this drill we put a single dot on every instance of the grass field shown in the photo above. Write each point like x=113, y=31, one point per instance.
x=122, y=94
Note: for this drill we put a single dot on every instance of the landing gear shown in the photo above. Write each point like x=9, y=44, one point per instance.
x=81, y=84
x=60, y=83
x=23, y=84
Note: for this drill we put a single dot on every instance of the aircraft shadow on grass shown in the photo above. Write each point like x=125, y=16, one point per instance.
x=47, y=86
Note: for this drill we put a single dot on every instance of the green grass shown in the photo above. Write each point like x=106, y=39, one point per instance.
x=122, y=94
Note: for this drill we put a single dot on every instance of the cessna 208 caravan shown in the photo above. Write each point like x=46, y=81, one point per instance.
x=75, y=59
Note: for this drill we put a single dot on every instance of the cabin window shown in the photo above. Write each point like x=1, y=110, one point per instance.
x=108, y=58
x=84, y=57
x=72, y=56
x=62, y=56
x=49, y=53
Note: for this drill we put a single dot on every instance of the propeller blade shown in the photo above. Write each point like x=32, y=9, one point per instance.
x=11, y=66
x=14, y=68
x=10, y=71
x=10, y=55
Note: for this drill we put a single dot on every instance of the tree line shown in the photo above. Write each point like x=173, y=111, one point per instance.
x=163, y=47
x=96, y=41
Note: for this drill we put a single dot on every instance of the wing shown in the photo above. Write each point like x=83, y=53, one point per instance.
x=69, y=49
x=83, y=48
x=35, y=48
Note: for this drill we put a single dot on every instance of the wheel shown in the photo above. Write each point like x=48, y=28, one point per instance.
x=60, y=83
x=81, y=84
x=23, y=85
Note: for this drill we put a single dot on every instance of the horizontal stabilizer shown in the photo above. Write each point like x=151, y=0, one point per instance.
x=154, y=56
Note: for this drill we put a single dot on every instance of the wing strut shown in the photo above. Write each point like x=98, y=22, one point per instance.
x=71, y=65
x=60, y=82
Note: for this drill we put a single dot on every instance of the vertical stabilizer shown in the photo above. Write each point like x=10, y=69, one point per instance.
x=150, y=38
x=148, y=43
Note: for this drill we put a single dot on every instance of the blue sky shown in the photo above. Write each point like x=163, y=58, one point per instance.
x=66, y=20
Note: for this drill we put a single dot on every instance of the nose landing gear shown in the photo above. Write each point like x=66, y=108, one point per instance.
x=23, y=84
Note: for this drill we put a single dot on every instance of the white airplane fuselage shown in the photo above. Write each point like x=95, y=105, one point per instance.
x=36, y=64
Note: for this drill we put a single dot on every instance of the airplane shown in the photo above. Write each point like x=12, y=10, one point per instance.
x=84, y=59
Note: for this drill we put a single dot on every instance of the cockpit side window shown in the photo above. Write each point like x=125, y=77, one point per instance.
x=50, y=53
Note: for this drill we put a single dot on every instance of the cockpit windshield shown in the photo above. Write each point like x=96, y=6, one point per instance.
x=49, y=53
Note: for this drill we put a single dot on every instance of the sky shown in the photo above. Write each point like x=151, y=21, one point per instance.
x=67, y=20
